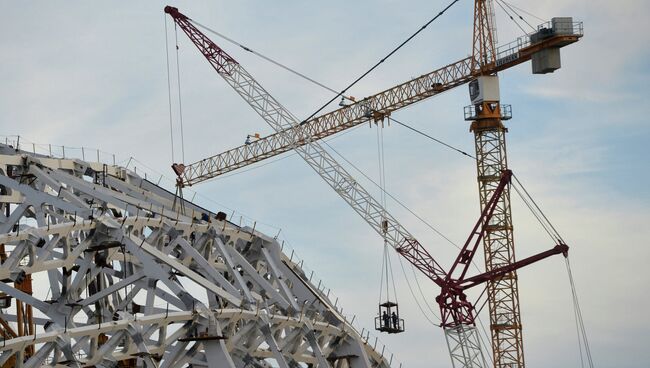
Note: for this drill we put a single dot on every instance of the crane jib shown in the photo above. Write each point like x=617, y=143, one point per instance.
x=379, y=105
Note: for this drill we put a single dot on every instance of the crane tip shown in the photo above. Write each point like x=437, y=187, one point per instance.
x=170, y=9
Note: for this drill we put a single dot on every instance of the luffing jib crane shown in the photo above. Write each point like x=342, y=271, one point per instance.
x=458, y=313
x=486, y=114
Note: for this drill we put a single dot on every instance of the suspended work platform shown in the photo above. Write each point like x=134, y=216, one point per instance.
x=388, y=319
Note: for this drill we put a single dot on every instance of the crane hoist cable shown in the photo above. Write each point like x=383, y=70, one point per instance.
x=511, y=17
x=390, y=307
x=556, y=237
x=580, y=325
x=169, y=92
x=382, y=166
x=382, y=60
x=180, y=104
x=388, y=276
x=319, y=84
x=524, y=11
x=517, y=14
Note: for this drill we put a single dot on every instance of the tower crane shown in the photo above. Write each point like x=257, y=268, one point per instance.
x=457, y=312
x=486, y=115
x=542, y=47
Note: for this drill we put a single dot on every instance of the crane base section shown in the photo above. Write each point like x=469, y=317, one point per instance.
x=464, y=347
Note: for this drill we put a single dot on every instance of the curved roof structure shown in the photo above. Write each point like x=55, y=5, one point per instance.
x=101, y=267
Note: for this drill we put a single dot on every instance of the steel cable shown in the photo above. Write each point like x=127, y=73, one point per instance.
x=519, y=15
x=511, y=17
x=180, y=104
x=524, y=11
x=578, y=315
x=382, y=60
x=417, y=302
x=169, y=90
x=270, y=60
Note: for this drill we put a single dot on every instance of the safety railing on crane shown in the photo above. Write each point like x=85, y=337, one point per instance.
x=471, y=112
x=565, y=26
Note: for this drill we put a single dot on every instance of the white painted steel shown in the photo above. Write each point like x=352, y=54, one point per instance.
x=119, y=276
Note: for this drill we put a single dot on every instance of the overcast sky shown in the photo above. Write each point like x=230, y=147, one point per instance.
x=94, y=75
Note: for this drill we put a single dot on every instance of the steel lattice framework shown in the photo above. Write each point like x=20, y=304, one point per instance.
x=505, y=319
x=107, y=272
x=457, y=312
x=377, y=106
x=374, y=107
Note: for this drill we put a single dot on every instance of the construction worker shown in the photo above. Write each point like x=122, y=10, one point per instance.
x=386, y=319
x=248, y=140
x=393, y=316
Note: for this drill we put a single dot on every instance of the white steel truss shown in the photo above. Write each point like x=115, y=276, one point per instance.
x=97, y=269
x=464, y=347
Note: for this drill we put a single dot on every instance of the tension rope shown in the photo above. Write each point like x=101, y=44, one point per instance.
x=357, y=80
x=386, y=263
x=180, y=102
x=169, y=91
x=583, y=341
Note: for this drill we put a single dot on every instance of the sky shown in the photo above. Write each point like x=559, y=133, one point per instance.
x=94, y=75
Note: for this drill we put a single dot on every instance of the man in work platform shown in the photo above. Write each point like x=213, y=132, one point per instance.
x=393, y=316
x=386, y=319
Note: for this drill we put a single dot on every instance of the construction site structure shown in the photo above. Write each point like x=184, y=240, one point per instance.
x=98, y=269
x=495, y=221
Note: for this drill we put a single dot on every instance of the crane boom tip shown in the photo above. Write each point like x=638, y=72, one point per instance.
x=171, y=10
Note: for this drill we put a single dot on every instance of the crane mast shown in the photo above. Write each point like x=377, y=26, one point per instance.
x=498, y=244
